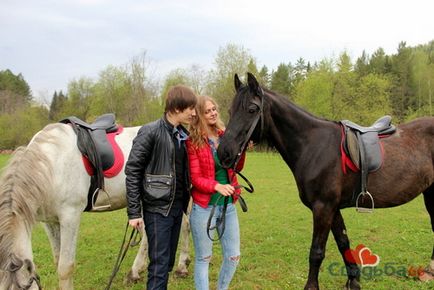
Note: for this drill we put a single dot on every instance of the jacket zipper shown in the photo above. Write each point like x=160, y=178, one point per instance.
x=173, y=176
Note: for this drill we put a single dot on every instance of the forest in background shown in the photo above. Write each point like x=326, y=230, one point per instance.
x=361, y=90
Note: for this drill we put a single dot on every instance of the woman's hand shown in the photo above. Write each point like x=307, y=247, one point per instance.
x=224, y=189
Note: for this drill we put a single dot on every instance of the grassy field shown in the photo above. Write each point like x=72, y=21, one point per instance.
x=275, y=241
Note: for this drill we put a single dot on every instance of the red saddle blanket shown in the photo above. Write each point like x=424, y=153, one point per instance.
x=118, y=157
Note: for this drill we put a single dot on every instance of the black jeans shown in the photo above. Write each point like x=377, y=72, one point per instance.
x=163, y=235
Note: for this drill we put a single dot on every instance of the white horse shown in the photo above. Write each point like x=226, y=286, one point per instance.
x=46, y=181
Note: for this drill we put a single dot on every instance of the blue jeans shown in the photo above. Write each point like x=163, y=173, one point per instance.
x=230, y=243
x=163, y=234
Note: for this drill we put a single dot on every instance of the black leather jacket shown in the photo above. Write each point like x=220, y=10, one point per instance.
x=150, y=170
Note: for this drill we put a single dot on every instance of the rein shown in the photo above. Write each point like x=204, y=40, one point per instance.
x=221, y=221
x=122, y=253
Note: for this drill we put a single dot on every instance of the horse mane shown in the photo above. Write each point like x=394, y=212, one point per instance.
x=271, y=98
x=285, y=100
x=24, y=185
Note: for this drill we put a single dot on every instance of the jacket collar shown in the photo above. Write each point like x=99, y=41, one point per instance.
x=172, y=129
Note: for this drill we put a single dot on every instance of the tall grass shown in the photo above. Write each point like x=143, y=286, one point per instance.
x=275, y=241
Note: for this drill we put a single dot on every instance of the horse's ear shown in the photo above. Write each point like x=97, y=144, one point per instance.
x=237, y=82
x=252, y=82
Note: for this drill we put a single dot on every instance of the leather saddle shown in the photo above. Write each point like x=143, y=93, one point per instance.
x=363, y=146
x=363, y=142
x=93, y=144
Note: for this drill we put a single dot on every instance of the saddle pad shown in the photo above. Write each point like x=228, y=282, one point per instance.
x=118, y=157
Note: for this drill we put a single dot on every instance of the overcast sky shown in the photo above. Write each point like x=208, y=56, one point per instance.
x=52, y=42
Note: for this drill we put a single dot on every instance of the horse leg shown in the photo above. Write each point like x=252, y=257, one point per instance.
x=69, y=226
x=428, y=197
x=53, y=232
x=340, y=234
x=140, y=261
x=184, y=256
x=323, y=215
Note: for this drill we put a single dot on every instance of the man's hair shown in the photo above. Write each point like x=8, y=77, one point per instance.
x=180, y=97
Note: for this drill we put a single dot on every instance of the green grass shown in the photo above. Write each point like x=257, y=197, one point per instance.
x=3, y=159
x=275, y=241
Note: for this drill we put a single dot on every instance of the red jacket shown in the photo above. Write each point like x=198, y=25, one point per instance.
x=202, y=173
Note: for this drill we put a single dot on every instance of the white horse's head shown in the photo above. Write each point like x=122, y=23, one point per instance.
x=17, y=270
x=23, y=184
x=18, y=274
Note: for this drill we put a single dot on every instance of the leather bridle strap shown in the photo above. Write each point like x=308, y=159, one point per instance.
x=259, y=116
x=221, y=221
x=122, y=253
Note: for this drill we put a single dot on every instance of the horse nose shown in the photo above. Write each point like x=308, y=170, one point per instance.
x=224, y=158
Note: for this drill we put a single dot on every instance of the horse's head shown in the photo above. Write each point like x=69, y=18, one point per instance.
x=18, y=274
x=245, y=122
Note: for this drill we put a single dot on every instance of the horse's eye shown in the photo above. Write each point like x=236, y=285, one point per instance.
x=253, y=108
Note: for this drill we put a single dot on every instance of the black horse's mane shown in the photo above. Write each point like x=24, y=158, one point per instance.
x=266, y=143
x=243, y=102
x=286, y=101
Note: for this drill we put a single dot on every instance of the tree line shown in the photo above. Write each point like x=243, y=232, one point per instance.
x=360, y=90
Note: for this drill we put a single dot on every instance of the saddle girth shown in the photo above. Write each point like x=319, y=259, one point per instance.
x=93, y=144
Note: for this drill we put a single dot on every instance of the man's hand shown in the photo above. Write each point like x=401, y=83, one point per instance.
x=136, y=223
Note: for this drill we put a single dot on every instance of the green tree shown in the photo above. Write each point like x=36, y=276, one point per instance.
x=194, y=77
x=57, y=106
x=379, y=63
x=362, y=65
x=127, y=91
x=316, y=91
x=401, y=96
x=264, y=77
x=18, y=128
x=372, y=99
x=79, y=95
x=14, y=92
x=343, y=96
x=229, y=60
x=281, y=81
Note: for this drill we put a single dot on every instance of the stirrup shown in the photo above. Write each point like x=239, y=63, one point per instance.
x=364, y=209
x=101, y=207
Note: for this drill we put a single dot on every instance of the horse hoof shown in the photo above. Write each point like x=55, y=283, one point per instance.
x=181, y=273
x=131, y=279
x=352, y=285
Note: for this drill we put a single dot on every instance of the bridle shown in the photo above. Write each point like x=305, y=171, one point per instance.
x=125, y=245
x=221, y=221
x=259, y=116
x=33, y=279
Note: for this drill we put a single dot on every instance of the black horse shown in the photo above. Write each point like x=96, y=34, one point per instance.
x=310, y=147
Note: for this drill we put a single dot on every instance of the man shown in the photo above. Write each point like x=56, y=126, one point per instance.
x=158, y=182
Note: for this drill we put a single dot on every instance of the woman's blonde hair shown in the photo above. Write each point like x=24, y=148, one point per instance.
x=198, y=127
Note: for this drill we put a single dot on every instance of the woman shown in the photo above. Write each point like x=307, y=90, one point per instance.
x=210, y=181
